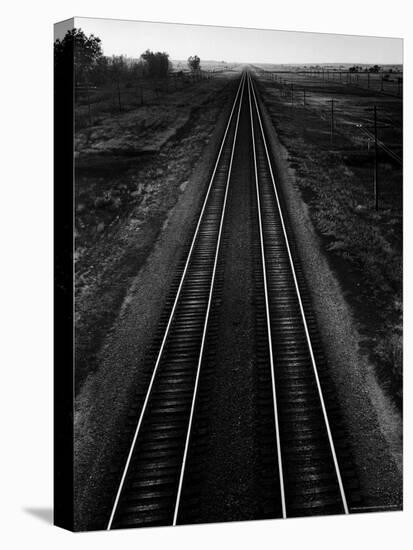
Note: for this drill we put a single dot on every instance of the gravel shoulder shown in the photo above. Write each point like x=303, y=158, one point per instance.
x=374, y=423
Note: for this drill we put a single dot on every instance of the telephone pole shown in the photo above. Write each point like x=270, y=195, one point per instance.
x=376, y=190
x=332, y=121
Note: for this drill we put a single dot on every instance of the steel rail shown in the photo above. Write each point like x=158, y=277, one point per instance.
x=188, y=435
x=268, y=317
x=171, y=316
x=303, y=316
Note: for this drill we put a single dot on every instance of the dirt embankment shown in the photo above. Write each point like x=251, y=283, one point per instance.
x=374, y=423
x=130, y=171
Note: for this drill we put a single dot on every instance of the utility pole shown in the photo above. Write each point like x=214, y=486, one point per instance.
x=119, y=97
x=376, y=190
x=332, y=121
x=88, y=103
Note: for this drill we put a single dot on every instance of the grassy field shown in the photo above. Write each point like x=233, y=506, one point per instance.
x=95, y=103
x=333, y=157
x=388, y=81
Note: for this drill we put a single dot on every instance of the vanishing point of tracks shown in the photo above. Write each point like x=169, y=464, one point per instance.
x=305, y=465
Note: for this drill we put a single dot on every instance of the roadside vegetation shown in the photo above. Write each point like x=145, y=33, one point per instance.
x=334, y=169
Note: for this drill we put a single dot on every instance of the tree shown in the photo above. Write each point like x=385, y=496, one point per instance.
x=137, y=69
x=194, y=63
x=99, y=71
x=84, y=50
x=79, y=52
x=374, y=69
x=156, y=64
x=118, y=69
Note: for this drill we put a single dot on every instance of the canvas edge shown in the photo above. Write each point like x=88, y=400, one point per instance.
x=63, y=226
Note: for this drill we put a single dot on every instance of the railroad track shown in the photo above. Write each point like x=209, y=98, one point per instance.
x=302, y=471
x=309, y=475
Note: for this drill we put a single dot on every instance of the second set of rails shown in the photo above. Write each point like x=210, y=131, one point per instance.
x=309, y=469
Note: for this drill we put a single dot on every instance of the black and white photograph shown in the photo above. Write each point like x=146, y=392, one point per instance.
x=228, y=274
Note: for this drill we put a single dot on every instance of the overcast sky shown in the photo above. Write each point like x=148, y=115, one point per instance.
x=237, y=44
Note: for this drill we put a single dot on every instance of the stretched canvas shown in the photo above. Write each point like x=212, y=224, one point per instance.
x=228, y=274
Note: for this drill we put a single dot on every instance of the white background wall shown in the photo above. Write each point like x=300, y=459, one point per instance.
x=26, y=272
